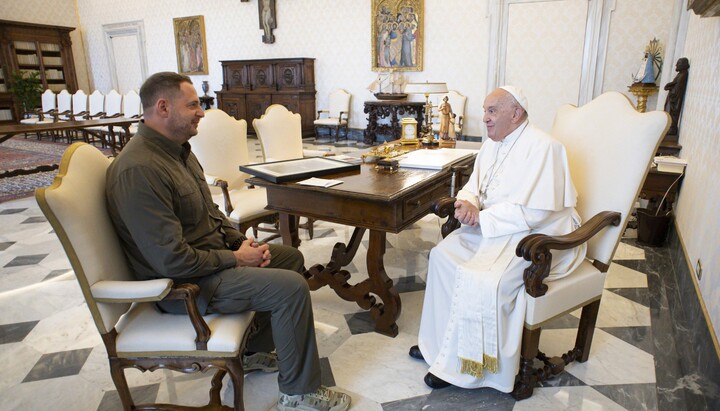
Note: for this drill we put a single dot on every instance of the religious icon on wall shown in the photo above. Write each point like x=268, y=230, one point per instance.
x=266, y=13
x=190, y=45
x=397, y=35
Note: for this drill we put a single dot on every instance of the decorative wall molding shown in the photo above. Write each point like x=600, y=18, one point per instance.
x=131, y=28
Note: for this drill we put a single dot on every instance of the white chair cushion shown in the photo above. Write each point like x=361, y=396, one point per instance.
x=248, y=203
x=329, y=122
x=584, y=284
x=144, y=329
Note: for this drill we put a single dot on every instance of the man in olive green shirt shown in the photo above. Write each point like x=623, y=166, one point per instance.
x=161, y=207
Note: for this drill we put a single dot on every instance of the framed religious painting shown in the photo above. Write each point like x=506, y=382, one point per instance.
x=397, y=35
x=190, y=45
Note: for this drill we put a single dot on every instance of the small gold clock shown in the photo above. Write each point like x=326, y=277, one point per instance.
x=408, y=130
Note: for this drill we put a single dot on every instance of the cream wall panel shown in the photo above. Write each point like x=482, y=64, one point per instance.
x=544, y=54
x=633, y=24
x=334, y=32
x=58, y=13
x=697, y=209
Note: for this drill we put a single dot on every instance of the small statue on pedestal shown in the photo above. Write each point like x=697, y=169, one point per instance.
x=676, y=94
x=447, y=123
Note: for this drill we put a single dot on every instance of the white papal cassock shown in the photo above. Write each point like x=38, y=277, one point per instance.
x=474, y=309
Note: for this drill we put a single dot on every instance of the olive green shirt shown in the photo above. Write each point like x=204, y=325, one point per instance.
x=160, y=204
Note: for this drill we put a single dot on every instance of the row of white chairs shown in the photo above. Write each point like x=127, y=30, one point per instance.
x=64, y=106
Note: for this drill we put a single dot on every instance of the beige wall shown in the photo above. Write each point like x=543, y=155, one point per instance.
x=698, y=215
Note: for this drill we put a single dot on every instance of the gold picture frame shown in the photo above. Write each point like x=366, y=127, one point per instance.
x=190, y=45
x=397, y=35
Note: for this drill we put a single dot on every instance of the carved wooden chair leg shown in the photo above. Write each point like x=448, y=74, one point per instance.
x=586, y=329
x=215, y=387
x=337, y=133
x=235, y=369
x=525, y=382
x=117, y=370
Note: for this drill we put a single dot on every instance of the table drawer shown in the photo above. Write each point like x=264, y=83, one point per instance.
x=419, y=203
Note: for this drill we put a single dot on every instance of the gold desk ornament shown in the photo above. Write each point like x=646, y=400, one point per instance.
x=409, y=131
x=383, y=151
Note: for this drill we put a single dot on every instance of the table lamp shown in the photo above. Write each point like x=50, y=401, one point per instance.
x=426, y=88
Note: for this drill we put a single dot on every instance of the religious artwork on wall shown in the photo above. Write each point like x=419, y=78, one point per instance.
x=397, y=35
x=266, y=14
x=190, y=45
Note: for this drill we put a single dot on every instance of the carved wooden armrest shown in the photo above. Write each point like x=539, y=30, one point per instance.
x=340, y=117
x=321, y=111
x=218, y=182
x=81, y=115
x=116, y=115
x=445, y=207
x=536, y=249
x=188, y=293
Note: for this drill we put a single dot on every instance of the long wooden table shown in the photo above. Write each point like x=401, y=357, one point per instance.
x=378, y=201
x=8, y=131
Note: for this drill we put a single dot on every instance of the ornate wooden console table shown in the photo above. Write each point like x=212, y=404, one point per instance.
x=395, y=111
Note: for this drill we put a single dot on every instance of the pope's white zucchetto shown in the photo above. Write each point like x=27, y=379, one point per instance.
x=518, y=95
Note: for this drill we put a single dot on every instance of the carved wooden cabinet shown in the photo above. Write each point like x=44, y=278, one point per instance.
x=39, y=48
x=250, y=86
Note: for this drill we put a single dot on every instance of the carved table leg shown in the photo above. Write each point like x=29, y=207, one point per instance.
x=385, y=313
x=289, y=229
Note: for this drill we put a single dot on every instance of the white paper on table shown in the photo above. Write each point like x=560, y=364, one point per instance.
x=319, y=182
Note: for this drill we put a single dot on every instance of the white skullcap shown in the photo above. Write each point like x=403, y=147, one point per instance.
x=519, y=96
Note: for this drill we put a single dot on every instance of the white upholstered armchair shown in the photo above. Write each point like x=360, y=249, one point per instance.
x=336, y=116
x=609, y=147
x=136, y=334
x=280, y=133
x=221, y=147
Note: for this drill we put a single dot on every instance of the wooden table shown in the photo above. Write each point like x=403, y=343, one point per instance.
x=7, y=131
x=394, y=110
x=379, y=201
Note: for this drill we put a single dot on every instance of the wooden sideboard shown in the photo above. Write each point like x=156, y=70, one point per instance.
x=251, y=86
x=393, y=111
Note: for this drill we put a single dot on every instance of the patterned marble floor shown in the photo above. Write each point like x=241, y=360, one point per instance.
x=53, y=357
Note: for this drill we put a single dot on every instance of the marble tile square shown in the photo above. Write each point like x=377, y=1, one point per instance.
x=66, y=275
x=618, y=311
x=567, y=398
x=619, y=276
x=58, y=364
x=12, y=211
x=638, y=295
x=10, y=333
x=611, y=361
x=17, y=360
x=26, y=260
x=409, y=284
x=34, y=220
x=360, y=323
x=641, y=337
x=141, y=395
x=628, y=252
x=387, y=373
x=64, y=393
x=454, y=398
x=631, y=396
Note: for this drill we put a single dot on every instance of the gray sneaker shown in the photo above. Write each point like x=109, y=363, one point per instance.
x=260, y=361
x=324, y=399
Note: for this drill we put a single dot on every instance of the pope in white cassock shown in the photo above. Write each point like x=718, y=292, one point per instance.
x=474, y=309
